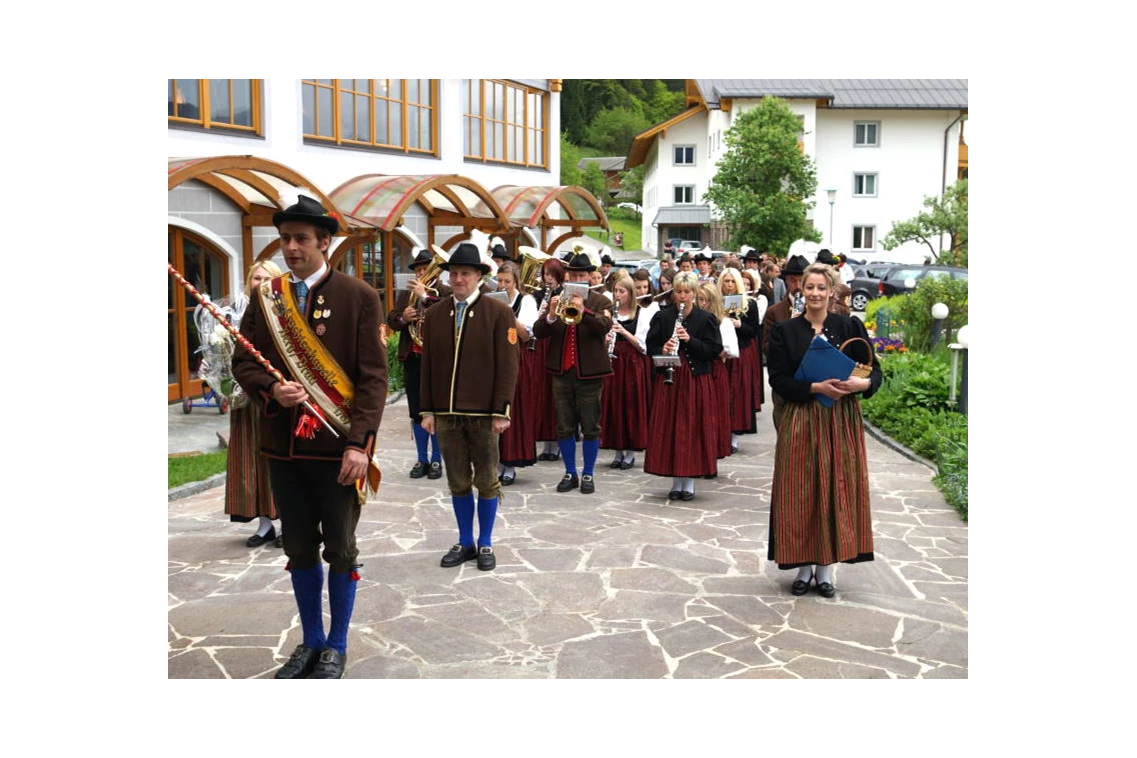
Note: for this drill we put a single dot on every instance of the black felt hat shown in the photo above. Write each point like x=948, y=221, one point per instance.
x=701, y=256
x=826, y=257
x=466, y=254
x=607, y=260
x=309, y=211
x=795, y=266
x=579, y=260
x=752, y=255
x=423, y=258
x=497, y=250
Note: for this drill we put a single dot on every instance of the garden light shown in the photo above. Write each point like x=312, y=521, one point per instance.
x=939, y=313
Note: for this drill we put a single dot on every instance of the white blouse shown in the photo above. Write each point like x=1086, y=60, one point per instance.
x=527, y=314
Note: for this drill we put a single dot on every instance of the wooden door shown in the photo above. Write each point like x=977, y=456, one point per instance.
x=207, y=269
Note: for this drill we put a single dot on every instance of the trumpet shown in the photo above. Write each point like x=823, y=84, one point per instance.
x=430, y=276
x=568, y=313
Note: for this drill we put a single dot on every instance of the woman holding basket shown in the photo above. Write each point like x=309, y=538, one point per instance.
x=819, y=504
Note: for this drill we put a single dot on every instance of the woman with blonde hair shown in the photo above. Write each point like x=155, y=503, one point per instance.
x=745, y=374
x=683, y=446
x=708, y=298
x=247, y=492
x=517, y=445
x=819, y=503
x=626, y=393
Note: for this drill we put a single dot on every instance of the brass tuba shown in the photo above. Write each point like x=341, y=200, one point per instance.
x=429, y=279
x=531, y=261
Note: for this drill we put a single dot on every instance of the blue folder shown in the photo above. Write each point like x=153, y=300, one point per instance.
x=823, y=361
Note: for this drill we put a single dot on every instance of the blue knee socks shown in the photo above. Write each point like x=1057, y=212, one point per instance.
x=487, y=512
x=464, y=513
x=591, y=450
x=435, y=454
x=308, y=586
x=568, y=454
x=421, y=438
x=341, y=598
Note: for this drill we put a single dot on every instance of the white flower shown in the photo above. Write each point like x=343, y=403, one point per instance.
x=220, y=335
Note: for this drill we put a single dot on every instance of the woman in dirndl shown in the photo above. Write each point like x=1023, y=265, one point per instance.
x=707, y=297
x=819, y=504
x=624, y=398
x=248, y=496
x=518, y=443
x=745, y=373
x=752, y=279
x=683, y=445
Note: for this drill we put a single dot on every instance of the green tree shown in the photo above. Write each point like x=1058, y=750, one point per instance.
x=570, y=156
x=945, y=215
x=613, y=130
x=763, y=184
x=632, y=185
x=594, y=182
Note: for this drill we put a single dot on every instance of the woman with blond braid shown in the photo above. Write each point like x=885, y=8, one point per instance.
x=624, y=399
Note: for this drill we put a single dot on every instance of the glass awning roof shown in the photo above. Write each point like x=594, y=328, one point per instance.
x=383, y=199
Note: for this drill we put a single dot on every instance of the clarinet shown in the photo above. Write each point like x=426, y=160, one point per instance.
x=612, y=341
x=670, y=378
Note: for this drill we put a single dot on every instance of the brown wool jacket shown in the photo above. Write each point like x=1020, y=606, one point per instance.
x=779, y=311
x=352, y=337
x=476, y=374
x=592, y=360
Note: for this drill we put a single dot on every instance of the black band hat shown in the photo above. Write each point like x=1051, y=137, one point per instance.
x=580, y=260
x=472, y=253
x=309, y=211
x=423, y=258
x=752, y=255
x=795, y=266
x=826, y=257
x=497, y=250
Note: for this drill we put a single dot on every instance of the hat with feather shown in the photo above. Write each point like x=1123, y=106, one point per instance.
x=300, y=205
x=582, y=260
x=498, y=251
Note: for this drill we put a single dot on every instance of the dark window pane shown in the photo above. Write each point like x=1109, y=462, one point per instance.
x=187, y=99
x=243, y=102
x=172, y=334
x=219, y=101
x=170, y=97
x=325, y=125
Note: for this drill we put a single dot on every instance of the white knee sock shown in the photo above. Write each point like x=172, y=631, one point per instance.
x=676, y=484
x=628, y=456
x=804, y=574
x=264, y=525
x=824, y=574
x=688, y=484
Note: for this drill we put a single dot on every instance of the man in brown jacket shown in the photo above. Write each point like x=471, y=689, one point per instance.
x=578, y=360
x=470, y=361
x=314, y=479
x=400, y=319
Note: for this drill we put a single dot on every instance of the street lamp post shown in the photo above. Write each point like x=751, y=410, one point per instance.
x=956, y=349
x=939, y=313
x=832, y=193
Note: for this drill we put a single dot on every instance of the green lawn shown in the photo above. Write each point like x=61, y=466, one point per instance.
x=196, y=468
x=631, y=230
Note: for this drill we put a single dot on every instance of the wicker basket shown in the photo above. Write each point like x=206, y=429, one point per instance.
x=862, y=370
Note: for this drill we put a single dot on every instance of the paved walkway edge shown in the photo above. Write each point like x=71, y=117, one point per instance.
x=888, y=442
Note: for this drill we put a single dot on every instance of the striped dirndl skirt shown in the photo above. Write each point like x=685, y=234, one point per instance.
x=247, y=491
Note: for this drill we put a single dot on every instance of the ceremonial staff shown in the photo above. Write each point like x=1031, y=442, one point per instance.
x=243, y=342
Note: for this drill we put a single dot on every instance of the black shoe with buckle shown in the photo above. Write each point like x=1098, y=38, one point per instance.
x=628, y=463
x=300, y=664
x=259, y=539
x=435, y=471
x=587, y=485
x=486, y=559
x=674, y=494
x=508, y=479
x=459, y=555
x=330, y=665
x=279, y=541
x=825, y=589
x=616, y=463
x=419, y=470
x=686, y=496
x=569, y=482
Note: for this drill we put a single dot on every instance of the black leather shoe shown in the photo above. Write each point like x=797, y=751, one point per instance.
x=279, y=542
x=419, y=470
x=486, y=559
x=733, y=449
x=628, y=463
x=544, y=457
x=459, y=555
x=825, y=589
x=587, y=485
x=687, y=496
x=616, y=463
x=801, y=586
x=330, y=665
x=508, y=479
x=259, y=539
x=300, y=664
x=674, y=494
x=569, y=482
x=435, y=471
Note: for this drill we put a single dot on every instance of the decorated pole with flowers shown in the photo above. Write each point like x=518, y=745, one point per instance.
x=243, y=342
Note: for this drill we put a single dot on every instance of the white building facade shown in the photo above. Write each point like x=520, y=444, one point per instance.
x=881, y=145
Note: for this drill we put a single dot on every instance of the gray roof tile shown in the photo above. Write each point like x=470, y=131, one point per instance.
x=845, y=93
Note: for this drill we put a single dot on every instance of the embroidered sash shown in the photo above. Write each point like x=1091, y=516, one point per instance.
x=313, y=366
x=309, y=362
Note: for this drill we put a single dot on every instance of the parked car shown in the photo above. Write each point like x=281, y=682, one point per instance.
x=864, y=282
x=689, y=246
x=894, y=282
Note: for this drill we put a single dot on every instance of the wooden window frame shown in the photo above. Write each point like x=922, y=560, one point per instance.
x=374, y=95
x=206, y=122
x=475, y=118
